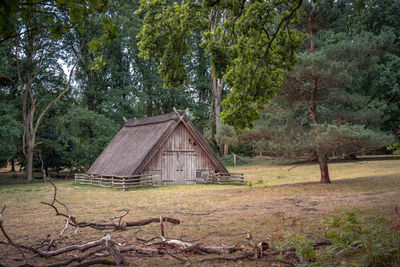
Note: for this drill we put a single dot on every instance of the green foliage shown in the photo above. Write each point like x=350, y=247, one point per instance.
x=355, y=242
x=250, y=44
x=227, y=135
x=164, y=36
x=59, y=16
x=10, y=132
x=286, y=132
x=346, y=120
x=248, y=183
x=302, y=244
x=362, y=242
x=85, y=134
x=396, y=148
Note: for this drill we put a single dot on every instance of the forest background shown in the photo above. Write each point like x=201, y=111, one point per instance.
x=305, y=80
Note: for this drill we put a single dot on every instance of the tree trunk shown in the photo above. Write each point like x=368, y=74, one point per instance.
x=226, y=149
x=217, y=112
x=323, y=166
x=150, y=107
x=219, y=86
x=29, y=164
x=12, y=165
x=312, y=106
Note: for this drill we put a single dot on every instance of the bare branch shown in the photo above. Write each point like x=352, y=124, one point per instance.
x=41, y=115
x=10, y=241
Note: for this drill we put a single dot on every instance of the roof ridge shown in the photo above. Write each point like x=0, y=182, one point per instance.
x=151, y=120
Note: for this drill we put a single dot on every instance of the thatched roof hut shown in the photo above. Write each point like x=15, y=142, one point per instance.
x=167, y=146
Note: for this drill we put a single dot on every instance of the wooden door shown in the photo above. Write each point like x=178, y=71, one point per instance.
x=179, y=167
x=168, y=174
x=190, y=168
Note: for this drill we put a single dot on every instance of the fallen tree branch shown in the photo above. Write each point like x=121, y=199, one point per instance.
x=122, y=225
x=175, y=248
x=9, y=240
x=83, y=247
x=186, y=246
x=77, y=259
x=194, y=214
x=227, y=258
x=93, y=262
x=152, y=220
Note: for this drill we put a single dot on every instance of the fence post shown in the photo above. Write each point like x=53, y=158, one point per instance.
x=112, y=181
x=123, y=183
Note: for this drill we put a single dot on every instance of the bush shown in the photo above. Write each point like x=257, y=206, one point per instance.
x=240, y=160
x=366, y=243
x=355, y=242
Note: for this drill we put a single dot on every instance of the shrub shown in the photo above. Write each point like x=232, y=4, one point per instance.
x=355, y=242
x=366, y=243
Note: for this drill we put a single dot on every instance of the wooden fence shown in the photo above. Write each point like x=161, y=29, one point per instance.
x=122, y=182
x=126, y=182
x=226, y=178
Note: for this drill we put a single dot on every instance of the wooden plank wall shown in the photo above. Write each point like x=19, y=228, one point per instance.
x=181, y=140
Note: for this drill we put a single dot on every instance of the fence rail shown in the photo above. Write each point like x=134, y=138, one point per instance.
x=226, y=178
x=122, y=182
x=126, y=182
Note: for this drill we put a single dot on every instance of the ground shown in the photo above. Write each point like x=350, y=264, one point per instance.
x=278, y=199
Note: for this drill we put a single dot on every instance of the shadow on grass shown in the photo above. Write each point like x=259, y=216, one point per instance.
x=368, y=183
x=305, y=162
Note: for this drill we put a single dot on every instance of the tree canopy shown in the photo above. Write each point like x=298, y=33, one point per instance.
x=317, y=79
x=250, y=44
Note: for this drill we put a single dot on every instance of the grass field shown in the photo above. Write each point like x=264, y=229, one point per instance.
x=282, y=199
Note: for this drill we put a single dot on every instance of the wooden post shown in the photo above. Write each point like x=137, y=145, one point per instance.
x=162, y=226
x=123, y=183
x=234, y=159
x=112, y=181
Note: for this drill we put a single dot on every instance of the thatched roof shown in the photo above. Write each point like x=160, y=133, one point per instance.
x=138, y=141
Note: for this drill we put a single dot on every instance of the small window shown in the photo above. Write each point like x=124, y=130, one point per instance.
x=194, y=143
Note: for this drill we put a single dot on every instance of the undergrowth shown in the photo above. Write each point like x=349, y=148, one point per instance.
x=355, y=242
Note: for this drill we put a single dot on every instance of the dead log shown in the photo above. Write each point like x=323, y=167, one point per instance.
x=115, y=254
x=144, y=251
x=83, y=247
x=152, y=220
x=93, y=262
x=230, y=258
x=186, y=246
x=77, y=259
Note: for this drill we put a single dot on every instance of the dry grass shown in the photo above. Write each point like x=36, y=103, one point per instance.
x=279, y=202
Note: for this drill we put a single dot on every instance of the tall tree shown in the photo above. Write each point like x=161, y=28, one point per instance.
x=250, y=45
x=34, y=28
x=323, y=112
